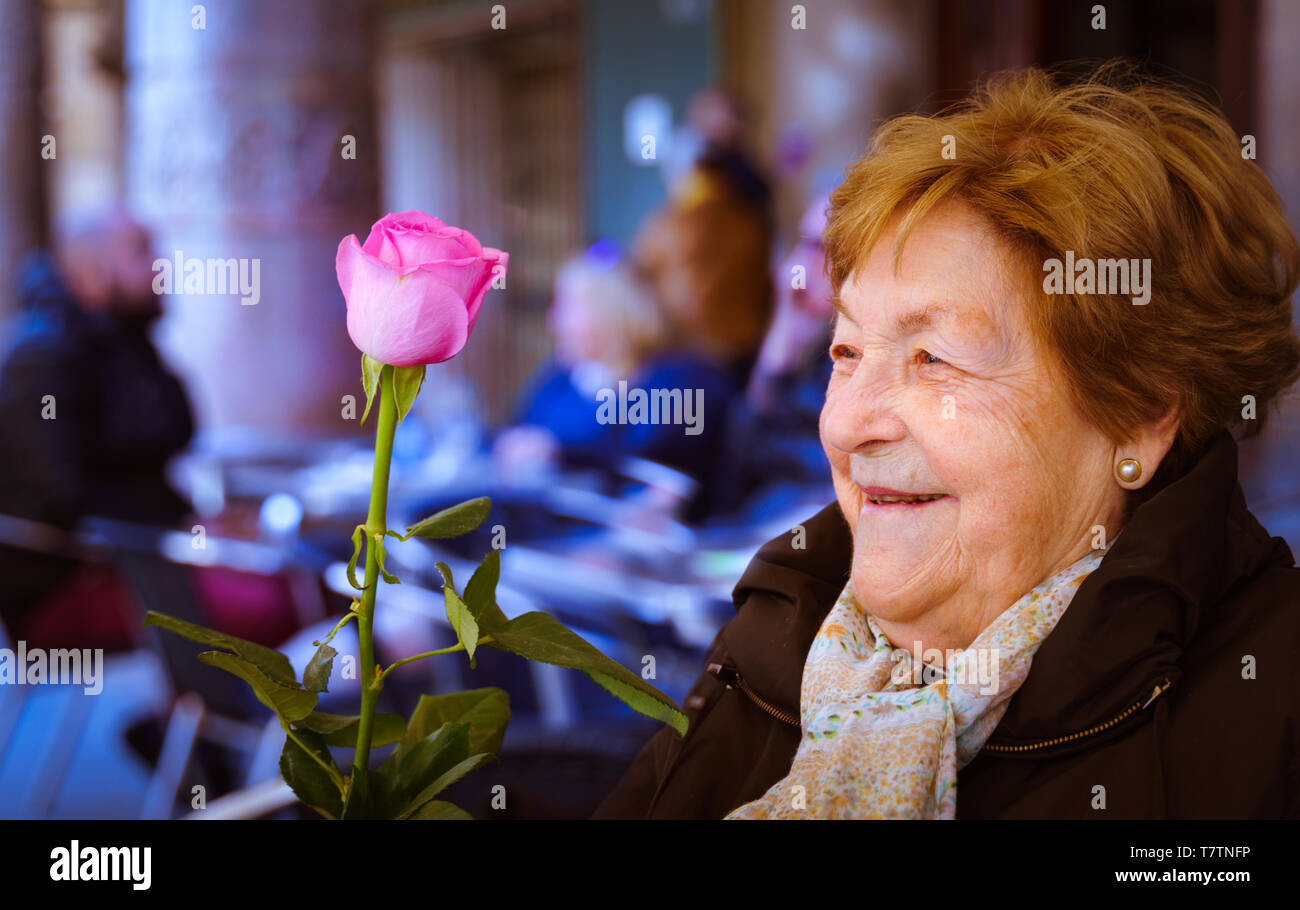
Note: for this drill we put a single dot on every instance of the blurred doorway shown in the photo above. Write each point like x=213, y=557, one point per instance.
x=481, y=127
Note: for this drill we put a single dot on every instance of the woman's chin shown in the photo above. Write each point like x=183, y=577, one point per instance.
x=904, y=545
x=889, y=584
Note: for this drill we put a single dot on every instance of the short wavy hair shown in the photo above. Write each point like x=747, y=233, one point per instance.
x=1117, y=165
x=616, y=296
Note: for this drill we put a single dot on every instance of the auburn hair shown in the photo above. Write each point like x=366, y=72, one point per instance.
x=1119, y=165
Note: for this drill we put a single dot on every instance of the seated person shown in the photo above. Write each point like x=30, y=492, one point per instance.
x=611, y=335
x=92, y=418
x=707, y=252
x=91, y=415
x=772, y=436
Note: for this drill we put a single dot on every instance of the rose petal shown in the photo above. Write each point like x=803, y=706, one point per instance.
x=461, y=275
x=345, y=263
x=474, y=300
x=413, y=219
x=421, y=247
x=380, y=244
x=423, y=322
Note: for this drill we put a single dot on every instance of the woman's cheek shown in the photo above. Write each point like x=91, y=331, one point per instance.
x=981, y=415
x=965, y=438
x=936, y=413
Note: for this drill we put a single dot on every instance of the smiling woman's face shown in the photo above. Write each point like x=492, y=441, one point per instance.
x=939, y=390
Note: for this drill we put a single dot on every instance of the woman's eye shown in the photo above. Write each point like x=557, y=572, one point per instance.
x=928, y=358
x=841, y=352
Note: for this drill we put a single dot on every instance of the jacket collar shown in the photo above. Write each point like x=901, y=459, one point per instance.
x=786, y=592
x=1180, y=554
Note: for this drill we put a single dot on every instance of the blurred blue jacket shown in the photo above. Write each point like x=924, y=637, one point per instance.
x=553, y=400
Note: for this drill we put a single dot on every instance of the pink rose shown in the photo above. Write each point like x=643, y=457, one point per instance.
x=414, y=288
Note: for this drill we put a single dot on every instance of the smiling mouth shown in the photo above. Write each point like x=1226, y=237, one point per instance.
x=880, y=497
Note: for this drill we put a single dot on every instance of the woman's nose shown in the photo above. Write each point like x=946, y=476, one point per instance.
x=860, y=413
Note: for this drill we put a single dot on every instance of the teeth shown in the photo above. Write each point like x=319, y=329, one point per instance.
x=905, y=498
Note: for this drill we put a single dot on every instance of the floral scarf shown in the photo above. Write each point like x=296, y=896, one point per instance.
x=884, y=737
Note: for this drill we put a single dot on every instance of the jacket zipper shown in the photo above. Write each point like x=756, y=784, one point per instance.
x=732, y=679
x=1123, y=715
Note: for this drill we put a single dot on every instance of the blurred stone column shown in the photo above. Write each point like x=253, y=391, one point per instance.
x=236, y=115
x=21, y=205
x=1268, y=463
x=1278, y=79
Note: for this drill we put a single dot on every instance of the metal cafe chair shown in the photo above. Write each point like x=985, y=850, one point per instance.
x=206, y=705
x=210, y=705
x=36, y=779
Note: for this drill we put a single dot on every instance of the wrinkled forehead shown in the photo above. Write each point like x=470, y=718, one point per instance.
x=951, y=272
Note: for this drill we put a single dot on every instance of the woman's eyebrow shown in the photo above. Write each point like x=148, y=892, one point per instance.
x=924, y=318
x=839, y=308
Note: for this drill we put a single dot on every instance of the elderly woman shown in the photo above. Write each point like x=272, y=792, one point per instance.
x=1040, y=593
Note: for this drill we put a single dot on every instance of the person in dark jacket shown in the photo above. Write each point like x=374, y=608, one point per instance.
x=772, y=435
x=91, y=415
x=1040, y=593
x=707, y=252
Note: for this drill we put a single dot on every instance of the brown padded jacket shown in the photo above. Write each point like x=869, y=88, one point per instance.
x=1169, y=689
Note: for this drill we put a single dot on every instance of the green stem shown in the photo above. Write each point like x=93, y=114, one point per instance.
x=406, y=660
x=376, y=523
x=459, y=646
x=347, y=618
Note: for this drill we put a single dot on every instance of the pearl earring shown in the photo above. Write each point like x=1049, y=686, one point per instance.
x=1129, y=470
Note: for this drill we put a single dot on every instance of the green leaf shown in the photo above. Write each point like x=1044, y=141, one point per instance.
x=316, y=676
x=370, y=370
x=462, y=620
x=445, y=571
x=406, y=385
x=637, y=699
x=538, y=636
x=388, y=774
x=431, y=758
x=341, y=729
x=445, y=780
x=458, y=614
x=272, y=663
x=453, y=521
x=481, y=592
x=440, y=811
x=486, y=711
x=358, y=538
x=309, y=781
x=379, y=557
x=290, y=703
x=380, y=797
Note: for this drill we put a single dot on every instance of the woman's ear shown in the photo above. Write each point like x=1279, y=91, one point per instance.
x=1148, y=446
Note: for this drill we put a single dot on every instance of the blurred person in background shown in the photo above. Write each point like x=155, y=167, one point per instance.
x=793, y=351
x=772, y=437
x=91, y=417
x=608, y=327
x=706, y=253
